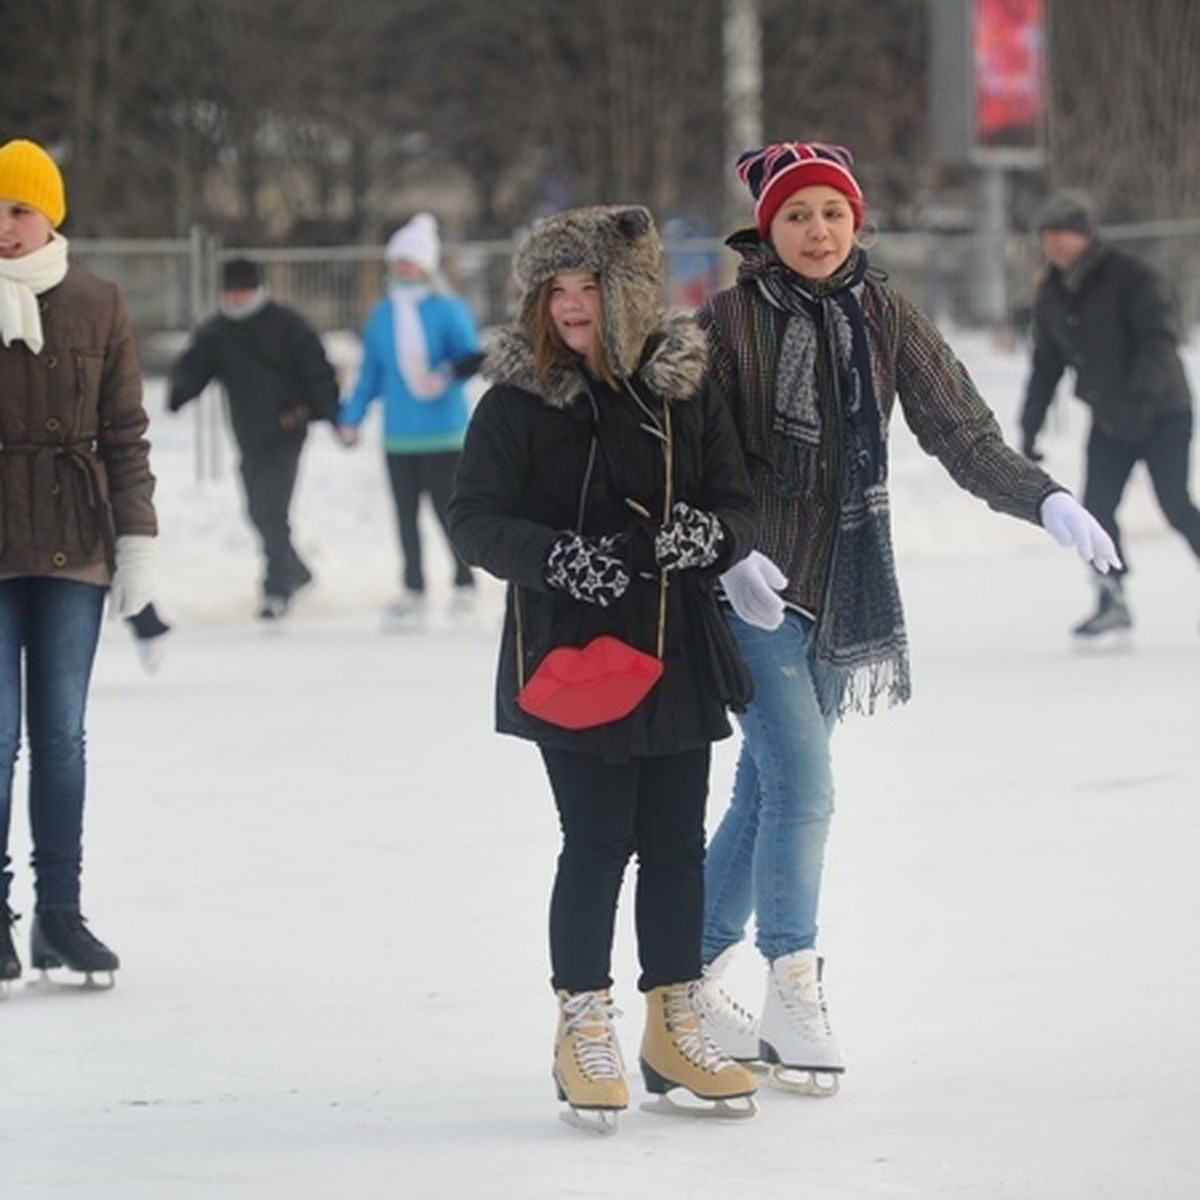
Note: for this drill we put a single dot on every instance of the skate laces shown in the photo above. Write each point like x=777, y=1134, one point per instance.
x=722, y=1009
x=683, y=1021
x=588, y=1022
x=803, y=999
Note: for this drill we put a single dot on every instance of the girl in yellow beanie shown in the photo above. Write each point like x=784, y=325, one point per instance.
x=77, y=522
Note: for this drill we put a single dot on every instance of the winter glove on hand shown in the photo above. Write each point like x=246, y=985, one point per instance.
x=468, y=365
x=1029, y=447
x=1070, y=524
x=752, y=588
x=691, y=538
x=132, y=586
x=587, y=568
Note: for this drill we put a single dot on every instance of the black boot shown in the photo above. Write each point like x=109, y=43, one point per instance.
x=1111, y=615
x=10, y=964
x=61, y=938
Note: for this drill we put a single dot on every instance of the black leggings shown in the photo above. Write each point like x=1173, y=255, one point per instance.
x=1167, y=454
x=409, y=476
x=608, y=811
x=269, y=477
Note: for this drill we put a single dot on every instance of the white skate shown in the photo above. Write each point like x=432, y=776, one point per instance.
x=794, y=1035
x=724, y=1020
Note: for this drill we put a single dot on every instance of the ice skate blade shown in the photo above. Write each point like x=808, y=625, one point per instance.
x=737, y=1108
x=804, y=1081
x=92, y=981
x=1116, y=641
x=151, y=653
x=403, y=625
x=605, y=1121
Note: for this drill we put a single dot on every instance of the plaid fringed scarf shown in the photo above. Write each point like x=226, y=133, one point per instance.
x=827, y=417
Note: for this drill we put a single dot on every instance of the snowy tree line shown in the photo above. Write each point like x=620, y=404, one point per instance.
x=309, y=121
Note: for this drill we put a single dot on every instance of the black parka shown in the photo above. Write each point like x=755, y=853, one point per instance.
x=1112, y=319
x=274, y=370
x=524, y=478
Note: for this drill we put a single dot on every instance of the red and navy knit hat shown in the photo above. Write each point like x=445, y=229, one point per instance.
x=773, y=173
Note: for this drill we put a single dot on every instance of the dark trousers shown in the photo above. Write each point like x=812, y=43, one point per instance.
x=651, y=807
x=1166, y=453
x=269, y=478
x=410, y=475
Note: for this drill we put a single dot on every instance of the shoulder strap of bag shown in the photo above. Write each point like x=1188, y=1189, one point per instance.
x=663, y=577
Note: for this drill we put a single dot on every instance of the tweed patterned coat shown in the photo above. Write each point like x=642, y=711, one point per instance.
x=911, y=362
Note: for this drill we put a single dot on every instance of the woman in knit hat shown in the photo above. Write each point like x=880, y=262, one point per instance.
x=77, y=523
x=603, y=480
x=811, y=349
x=419, y=346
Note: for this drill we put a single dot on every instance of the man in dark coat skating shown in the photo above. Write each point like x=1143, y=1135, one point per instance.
x=1112, y=319
x=277, y=378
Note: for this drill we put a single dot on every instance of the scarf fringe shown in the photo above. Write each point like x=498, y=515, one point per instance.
x=861, y=689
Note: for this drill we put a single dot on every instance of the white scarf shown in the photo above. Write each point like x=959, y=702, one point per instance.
x=22, y=281
x=412, y=347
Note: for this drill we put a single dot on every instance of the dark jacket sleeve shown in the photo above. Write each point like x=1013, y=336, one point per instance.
x=725, y=489
x=1048, y=365
x=485, y=525
x=123, y=423
x=316, y=383
x=1152, y=316
x=952, y=422
x=194, y=369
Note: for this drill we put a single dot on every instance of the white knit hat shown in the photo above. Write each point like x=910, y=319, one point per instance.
x=417, y=242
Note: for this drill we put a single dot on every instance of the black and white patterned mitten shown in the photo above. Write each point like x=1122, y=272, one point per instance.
x=691, y=538
x=587, y=568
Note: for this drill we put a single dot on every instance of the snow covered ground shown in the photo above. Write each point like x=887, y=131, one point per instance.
x=327, y=879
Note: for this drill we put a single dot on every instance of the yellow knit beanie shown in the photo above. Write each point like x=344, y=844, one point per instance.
x=30, y=175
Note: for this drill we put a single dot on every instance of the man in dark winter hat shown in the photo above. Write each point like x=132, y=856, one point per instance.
x=1113, y=320
x=278, y=379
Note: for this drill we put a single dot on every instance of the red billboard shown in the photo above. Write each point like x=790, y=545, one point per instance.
x=1010, y=54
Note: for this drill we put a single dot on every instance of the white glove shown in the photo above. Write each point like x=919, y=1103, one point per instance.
x=752, y=587
x=1070, y=524
x=132, y=585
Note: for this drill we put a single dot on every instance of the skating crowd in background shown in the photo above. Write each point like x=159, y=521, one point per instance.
x=78, y=524
x=1113, y=321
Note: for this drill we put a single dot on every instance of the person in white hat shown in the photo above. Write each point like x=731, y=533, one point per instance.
x=420, y=344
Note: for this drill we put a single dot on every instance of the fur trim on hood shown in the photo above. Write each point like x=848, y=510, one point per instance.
x=621, y=245
x=674, y=365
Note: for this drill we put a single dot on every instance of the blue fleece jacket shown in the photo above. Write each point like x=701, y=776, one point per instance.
x=411, y=425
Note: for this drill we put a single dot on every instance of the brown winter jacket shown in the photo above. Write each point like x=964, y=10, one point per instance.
x=74, y=459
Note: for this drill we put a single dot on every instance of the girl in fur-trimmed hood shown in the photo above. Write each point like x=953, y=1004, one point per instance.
x=602, y=481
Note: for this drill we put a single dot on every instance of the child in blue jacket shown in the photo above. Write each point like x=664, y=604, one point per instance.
x=419, y=344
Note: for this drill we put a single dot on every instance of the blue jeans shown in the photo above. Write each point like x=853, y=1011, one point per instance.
x=768, y=853
x=54, y=624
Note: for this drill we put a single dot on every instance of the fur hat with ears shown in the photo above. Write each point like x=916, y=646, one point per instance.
x=621, y=245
